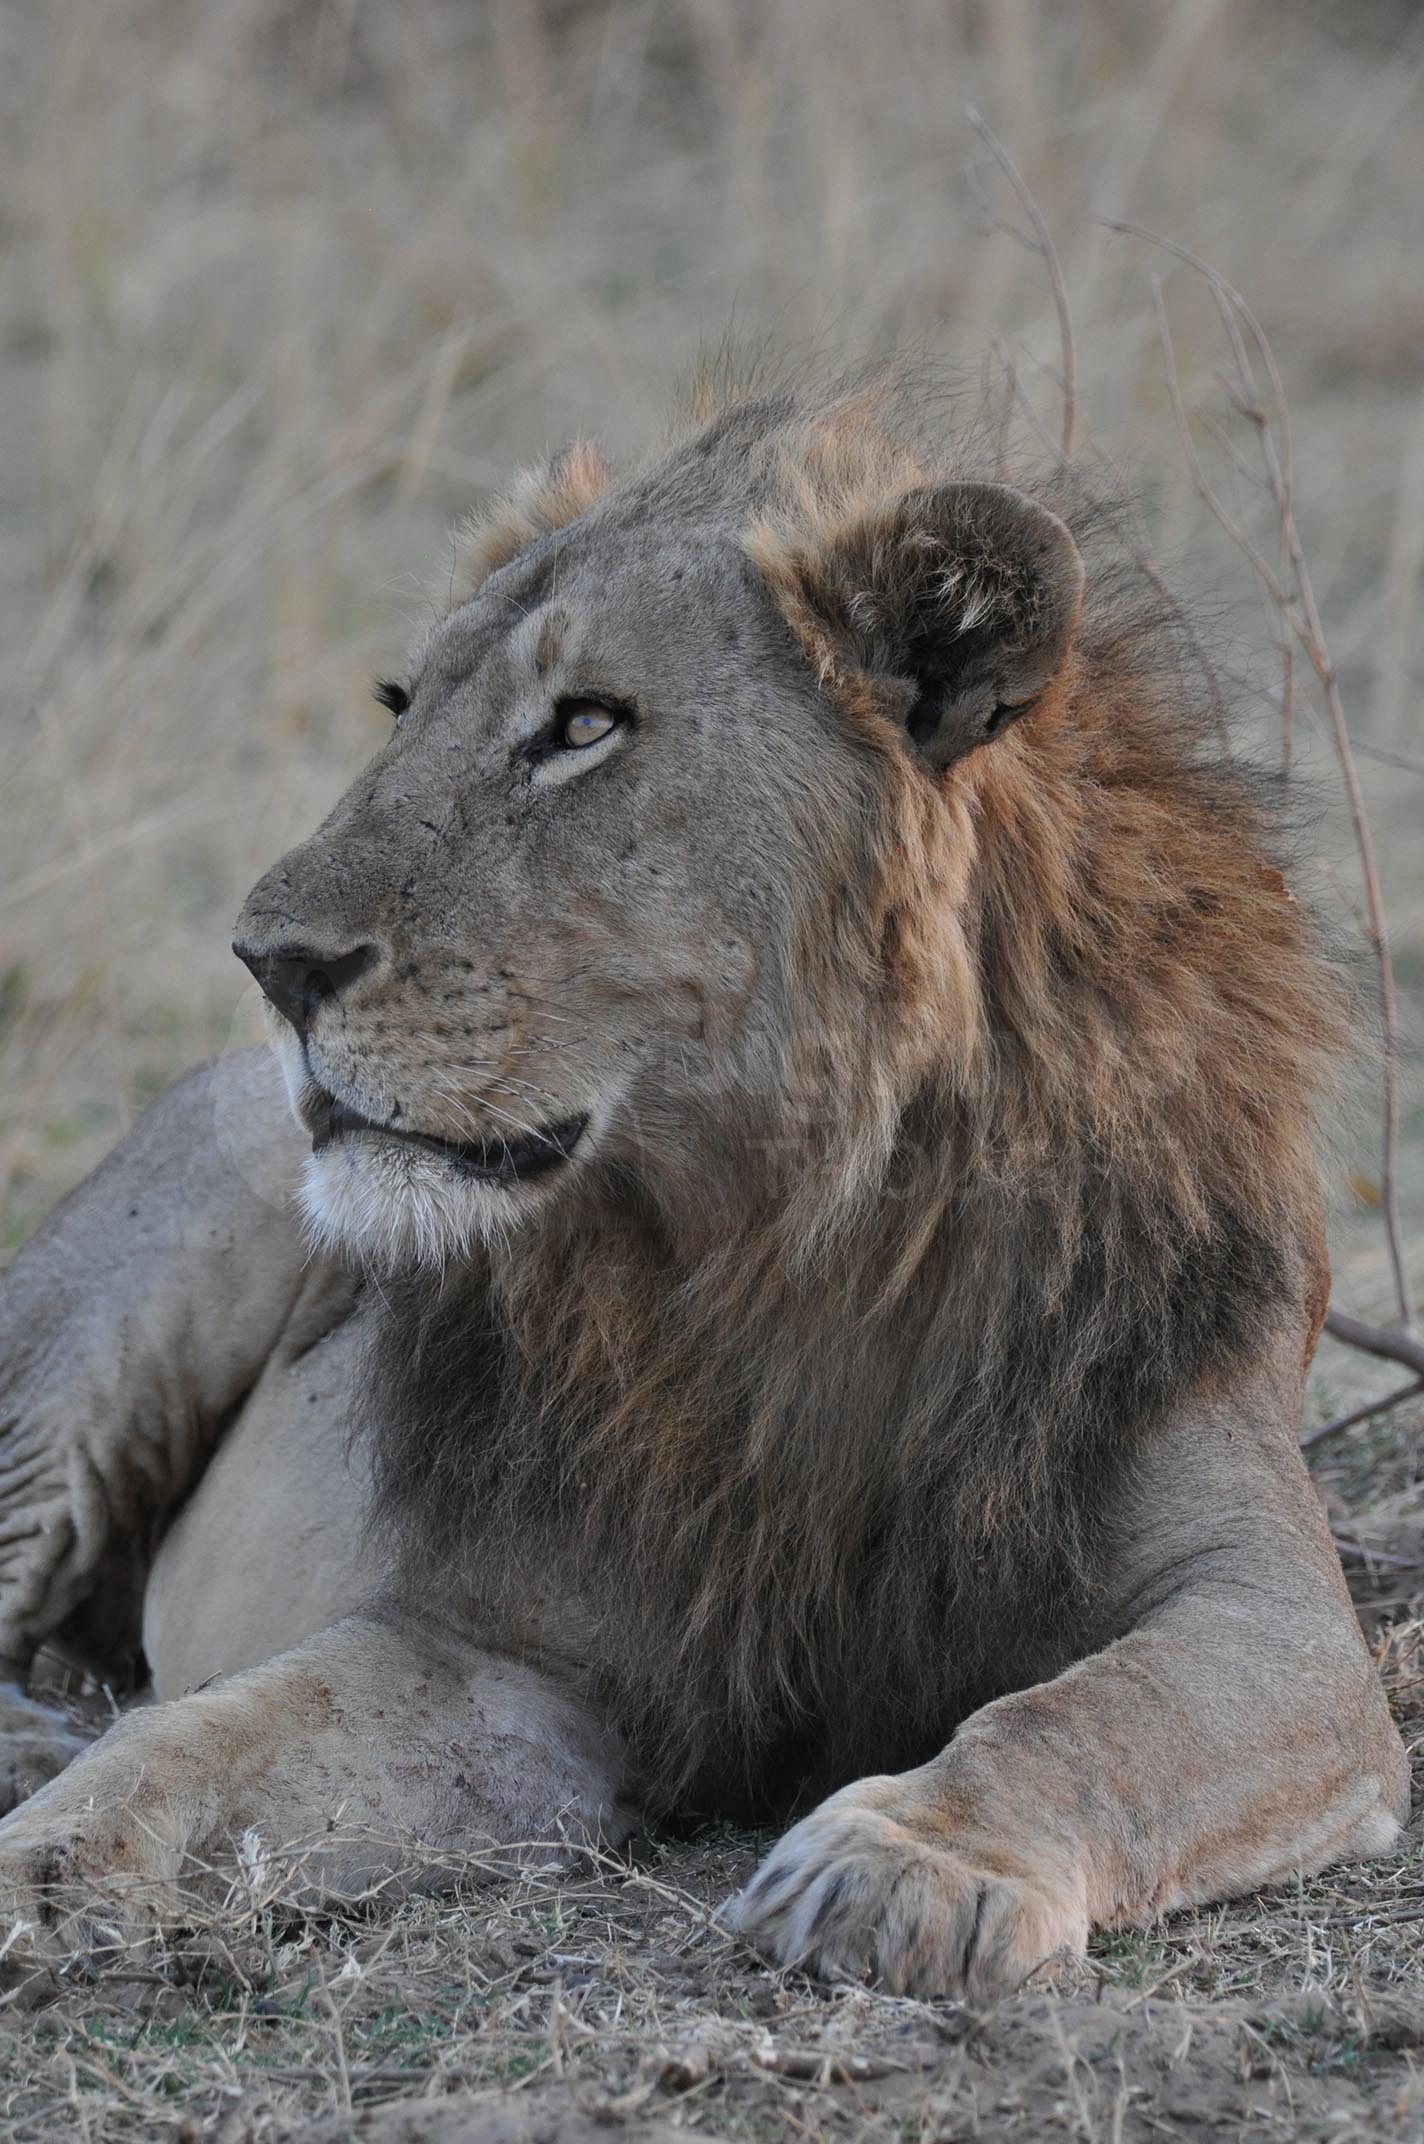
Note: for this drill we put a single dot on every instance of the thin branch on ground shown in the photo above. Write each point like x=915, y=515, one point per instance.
x=1366, y=1915
x=1366, y=1553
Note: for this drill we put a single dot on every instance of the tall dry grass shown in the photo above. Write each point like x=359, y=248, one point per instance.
x=288, y=284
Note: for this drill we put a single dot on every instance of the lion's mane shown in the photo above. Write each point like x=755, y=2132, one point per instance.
x=824, y=1452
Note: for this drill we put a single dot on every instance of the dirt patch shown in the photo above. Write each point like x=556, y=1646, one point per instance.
x=1119, y=2066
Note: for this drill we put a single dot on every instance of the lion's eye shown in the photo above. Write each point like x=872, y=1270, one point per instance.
x=392, y=696
x=585, y=724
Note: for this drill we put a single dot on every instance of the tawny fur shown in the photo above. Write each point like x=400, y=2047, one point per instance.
x=541, y=499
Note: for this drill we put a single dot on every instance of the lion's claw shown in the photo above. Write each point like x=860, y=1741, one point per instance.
x=861, y=1890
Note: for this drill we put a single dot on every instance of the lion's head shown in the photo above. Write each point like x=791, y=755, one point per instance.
x=663, y=865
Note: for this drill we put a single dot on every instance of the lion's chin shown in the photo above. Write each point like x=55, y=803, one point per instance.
x=392, y=1207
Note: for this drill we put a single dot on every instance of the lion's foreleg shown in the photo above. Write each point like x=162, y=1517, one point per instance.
x=1234, y=1734
x=132, y=1324
x=373, y=1750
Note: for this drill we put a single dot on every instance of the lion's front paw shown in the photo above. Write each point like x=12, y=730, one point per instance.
x=866, y=1887
x=87, y=1866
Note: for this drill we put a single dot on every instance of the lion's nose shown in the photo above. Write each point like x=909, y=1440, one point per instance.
x=297, y=978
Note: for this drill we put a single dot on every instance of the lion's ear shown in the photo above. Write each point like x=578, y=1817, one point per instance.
x=540, y=500
x=951, y=608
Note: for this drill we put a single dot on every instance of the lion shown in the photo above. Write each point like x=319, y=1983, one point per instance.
x=771, y=1268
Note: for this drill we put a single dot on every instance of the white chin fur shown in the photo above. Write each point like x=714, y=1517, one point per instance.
x=393, y=1207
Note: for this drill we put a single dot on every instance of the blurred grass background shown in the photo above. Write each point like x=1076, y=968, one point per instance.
x=287, y=285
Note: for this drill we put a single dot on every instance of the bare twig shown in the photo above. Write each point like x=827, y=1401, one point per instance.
x=1293, y=592
x=1367, y=1554
x=810, y=2065
x=338, y=2035
x=1366, y=1913
x=1381, y=1405
x=1017, y=395
x=1390, y=1346
x=1043, y=244
x=1249, y=550
x=1388, y=758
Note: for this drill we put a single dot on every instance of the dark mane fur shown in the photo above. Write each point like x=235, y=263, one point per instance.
x=828, y=1474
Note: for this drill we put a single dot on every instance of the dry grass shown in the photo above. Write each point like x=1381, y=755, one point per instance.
x=287, y=286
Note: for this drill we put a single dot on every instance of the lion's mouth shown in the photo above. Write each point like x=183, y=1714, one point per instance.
x=495, y=1161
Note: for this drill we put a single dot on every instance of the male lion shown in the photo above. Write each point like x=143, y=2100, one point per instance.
x=804, y=1030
